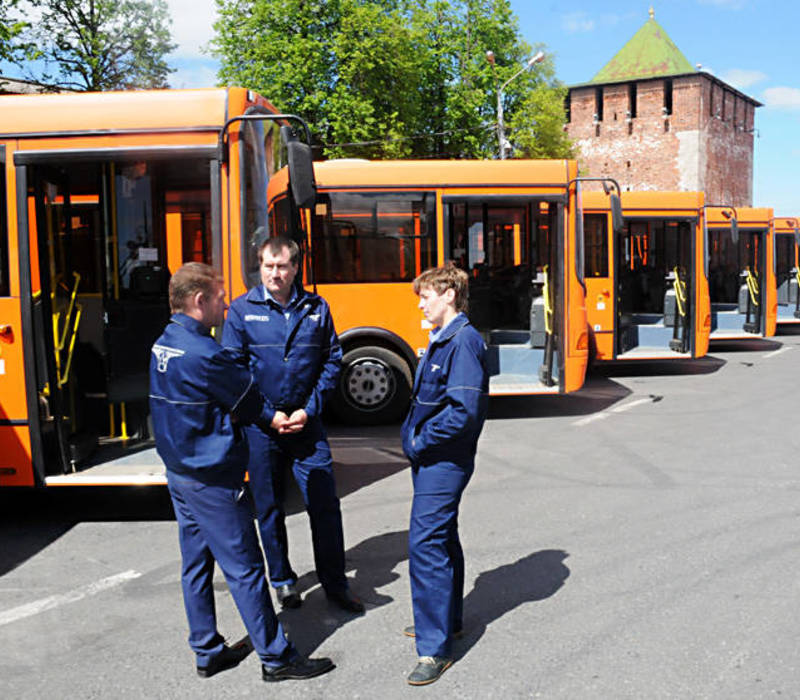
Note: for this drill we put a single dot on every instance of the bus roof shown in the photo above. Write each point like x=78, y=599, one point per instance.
x=659, y=203
x=441, y=173
x=745, y=216
x=92, y=112
x=786, y=224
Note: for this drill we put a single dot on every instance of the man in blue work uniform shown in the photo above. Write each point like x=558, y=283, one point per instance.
x=200, y=394
x=295, y=357
x=440, y=438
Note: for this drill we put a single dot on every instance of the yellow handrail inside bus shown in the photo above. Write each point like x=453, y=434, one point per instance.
x=680, y=292
x=752, y=286
x=797, y=275
x=548, y=306
x=71, y=329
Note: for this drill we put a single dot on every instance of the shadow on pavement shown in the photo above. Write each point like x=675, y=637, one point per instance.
x=745, y=345
x=32, y=519
x=647, y=368
x=596, y=395
x=370, y=566
x=499, y=591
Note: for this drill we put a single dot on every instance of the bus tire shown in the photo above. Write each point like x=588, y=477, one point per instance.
x=374, y=387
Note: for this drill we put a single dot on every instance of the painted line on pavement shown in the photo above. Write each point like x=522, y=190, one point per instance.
x=592, y=418
x=785, y=348
x=54, y=601
x=618, y=409
x=632, y=404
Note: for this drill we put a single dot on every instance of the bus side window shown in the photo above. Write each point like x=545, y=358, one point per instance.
x=596, y=245
x=373, y=237
x=5, y=289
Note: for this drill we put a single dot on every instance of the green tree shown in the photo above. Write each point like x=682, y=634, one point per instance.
x=537, y=117
x=393, y=78
x=100, y=45
x=12, y=26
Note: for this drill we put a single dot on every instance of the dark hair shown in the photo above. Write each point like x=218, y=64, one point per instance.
x=277, y=244
x=190, y=278
x=440, y=279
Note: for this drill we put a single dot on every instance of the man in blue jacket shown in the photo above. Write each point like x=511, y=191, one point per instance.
x=200, y=395
x=440, y=437
x=295, y=357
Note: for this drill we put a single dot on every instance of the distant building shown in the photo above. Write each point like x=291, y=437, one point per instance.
x=15, y=86
x=653, y=122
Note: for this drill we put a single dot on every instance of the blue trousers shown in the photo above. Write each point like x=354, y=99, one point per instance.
x=435, y=557
x=215, y=524
x=309, y=455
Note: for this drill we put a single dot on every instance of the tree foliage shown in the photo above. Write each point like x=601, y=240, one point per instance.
x=100, y=44
x=394, y=78
x=12, y=26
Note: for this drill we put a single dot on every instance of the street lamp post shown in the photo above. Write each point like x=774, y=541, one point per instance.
x=501, y=130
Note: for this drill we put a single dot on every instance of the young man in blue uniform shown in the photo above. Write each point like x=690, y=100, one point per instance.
x=440, y=437
x=200, y=395
x=295, y=357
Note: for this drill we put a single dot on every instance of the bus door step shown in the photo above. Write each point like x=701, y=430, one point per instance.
x=81, y=447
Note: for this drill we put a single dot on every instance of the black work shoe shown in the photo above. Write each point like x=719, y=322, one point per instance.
x=346, y=601
x=297, y=670
x=227, y=658
x=410, y=631
x=288, y=596
x=429, y=669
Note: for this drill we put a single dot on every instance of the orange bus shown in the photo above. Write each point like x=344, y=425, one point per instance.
x=741, y=273
x=646, y=288
x=103, y=194
x=512, y=225
x=787, y=269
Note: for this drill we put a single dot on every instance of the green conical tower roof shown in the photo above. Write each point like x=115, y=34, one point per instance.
x=650, y=53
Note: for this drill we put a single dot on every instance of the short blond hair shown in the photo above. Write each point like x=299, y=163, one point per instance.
x=190, y=278
x=440, y=279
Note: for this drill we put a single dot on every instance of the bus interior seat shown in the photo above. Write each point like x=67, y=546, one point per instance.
x=134, y=324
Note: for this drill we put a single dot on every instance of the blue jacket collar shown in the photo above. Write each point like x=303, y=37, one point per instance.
x=256, y=294
x=190, y=324
x=452, y=328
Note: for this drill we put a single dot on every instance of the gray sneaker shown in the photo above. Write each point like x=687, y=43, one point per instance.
x=429, y=669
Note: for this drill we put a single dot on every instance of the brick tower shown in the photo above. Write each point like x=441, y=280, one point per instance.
x=653, y=122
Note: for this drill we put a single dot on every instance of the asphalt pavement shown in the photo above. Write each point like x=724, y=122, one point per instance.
x=638, y=539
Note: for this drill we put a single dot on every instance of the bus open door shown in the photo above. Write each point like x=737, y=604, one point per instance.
x=646, y=288
x=741, y=273
x=787, y=269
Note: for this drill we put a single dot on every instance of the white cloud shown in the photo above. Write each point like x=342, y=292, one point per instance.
x=782, y=97
x=192, y=25
x=742, y=78
x=577, y=22
x=194, y=74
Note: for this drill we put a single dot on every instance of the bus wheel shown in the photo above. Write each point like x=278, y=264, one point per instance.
x=374, y=387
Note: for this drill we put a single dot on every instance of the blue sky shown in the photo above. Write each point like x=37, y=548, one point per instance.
x=748, y=43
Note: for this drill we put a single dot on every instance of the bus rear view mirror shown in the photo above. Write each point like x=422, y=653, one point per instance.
x=617, y=220
x=797, y=237
x=734, y=231
x=301, y=174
